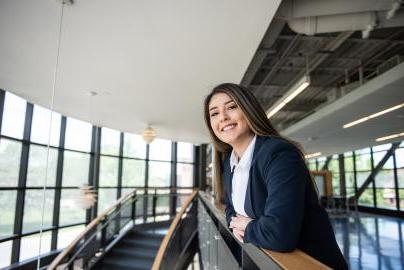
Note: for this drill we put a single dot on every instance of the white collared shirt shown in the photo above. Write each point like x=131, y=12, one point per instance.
x=241, y=173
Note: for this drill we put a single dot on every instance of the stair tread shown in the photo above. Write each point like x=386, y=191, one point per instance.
x=128, y=263
x=136, y=252
x=141, y=242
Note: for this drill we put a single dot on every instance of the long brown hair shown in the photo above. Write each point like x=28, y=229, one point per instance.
x=256, y=118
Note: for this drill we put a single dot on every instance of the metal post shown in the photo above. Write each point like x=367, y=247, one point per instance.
x=22, y=181
x=146, y=183
x=2, y=98
x=58, y=189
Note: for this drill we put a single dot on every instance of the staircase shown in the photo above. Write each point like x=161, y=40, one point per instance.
x=136, y=251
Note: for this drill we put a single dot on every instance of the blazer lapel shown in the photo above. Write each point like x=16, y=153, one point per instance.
x=248, y=204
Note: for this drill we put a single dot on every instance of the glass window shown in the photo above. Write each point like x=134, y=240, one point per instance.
x=381, y=147
x=350, y=192
x=13, y=116
x=386, y=198
x=312, y=164
x=66, y=235
x=185, y=152
x=30, y=245
x=38, y=156
x=400, y=177
x=350, y=180
x=377, y=157
x=363, y=162
x=106, y=197
x=75, y=168
x=133, y=172
x=348, y=162
x=78, y=135
x=321, y=162
x=160, y=150
x=362, y=151
x=185, y=175
x=134, y=146
x=33, y=209
x=385, y=179
x=159, y=174
x=108, y=171
x=110, y=141
x=70, y=211
x=7, y=214
x=361, y=177
x=400, y=157
x=333, y=165
x=5, y=253
x=401, y=194
x=10, y=155
x=163, y=203
x=367, y=198
x=41, y=123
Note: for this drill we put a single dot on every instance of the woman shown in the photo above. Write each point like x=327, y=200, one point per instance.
x=269, y=195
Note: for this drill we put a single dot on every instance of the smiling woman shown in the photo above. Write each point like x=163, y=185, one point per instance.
x=270, y=198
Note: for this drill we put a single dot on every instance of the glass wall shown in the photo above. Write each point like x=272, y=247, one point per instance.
x=385, y=190
x=28, y=164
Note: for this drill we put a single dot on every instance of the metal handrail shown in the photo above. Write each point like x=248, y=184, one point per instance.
x=171, y=231
x=62, y=256
x=262, y=258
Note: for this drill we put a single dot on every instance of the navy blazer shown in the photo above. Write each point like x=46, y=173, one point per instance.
x=284, y=204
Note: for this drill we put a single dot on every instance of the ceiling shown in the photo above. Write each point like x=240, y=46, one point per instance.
x=150, y=62
x=338, y=62
x=153, y=62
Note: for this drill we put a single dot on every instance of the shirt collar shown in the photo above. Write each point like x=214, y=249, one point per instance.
x=246, y=158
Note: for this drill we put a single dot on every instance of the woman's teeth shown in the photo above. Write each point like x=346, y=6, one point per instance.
x=226, y=128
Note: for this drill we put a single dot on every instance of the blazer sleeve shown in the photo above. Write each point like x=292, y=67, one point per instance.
x=229, y=211
x=279, y=227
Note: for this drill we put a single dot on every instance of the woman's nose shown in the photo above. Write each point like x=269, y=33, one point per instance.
x=224, y=116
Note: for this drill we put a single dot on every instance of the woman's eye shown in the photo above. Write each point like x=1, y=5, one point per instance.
x=232, y=107
x=213, y=114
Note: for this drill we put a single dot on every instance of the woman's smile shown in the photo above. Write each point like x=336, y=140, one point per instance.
x=228, y=127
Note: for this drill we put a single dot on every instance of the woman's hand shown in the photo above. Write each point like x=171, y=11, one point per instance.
x=239, y=223
x=239, y=235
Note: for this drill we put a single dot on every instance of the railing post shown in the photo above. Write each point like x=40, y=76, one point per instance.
x=145, y=205
x=134, y=209
x=154, y=204
x=70, y=266
x=103, y=232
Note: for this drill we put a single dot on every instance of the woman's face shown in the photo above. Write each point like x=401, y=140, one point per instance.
x=227, y=120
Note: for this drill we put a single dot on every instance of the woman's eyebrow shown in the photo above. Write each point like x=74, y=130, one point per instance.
x=227, y=102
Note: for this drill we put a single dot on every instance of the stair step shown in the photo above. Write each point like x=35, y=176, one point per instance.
x=117, y=262
x=146, y=234
x=134, y=252
x=146, y=243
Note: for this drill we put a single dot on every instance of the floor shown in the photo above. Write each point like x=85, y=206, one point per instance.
x=371, y=242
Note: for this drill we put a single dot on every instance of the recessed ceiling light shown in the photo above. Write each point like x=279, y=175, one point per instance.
x=366, y=118
x=295, y=90
x=313, y=155
x=389, y=137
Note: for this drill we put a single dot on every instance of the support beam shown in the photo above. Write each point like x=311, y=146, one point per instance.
x=376, y=170
x=22, y=183
x=327, y=161
x=58, y=185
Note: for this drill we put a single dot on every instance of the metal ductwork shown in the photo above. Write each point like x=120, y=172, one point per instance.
x=312, y=17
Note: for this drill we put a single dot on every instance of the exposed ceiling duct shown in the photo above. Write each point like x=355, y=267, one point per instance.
x=317, y=17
